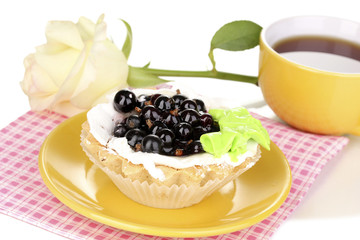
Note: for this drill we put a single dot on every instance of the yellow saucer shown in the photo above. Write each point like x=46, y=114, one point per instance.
x=83, y=187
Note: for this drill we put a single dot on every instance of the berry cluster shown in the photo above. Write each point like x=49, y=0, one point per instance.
x=162, y=124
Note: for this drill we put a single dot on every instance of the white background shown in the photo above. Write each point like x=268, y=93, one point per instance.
x=176, y=35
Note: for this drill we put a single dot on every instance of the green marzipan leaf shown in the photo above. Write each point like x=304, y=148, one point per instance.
x=237, y=36
x=139, y=78
x=126, y=49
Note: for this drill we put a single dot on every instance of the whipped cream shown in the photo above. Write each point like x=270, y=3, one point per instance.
x=102, y=120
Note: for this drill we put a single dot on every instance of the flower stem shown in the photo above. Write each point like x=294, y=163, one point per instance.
x=203, y=74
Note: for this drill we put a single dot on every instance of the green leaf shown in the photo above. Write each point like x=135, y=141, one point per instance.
x=126, y=49
x=139, y=77
x=235, y=36
x=147, y=65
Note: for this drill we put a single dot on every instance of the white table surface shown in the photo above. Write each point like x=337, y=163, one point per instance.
x=176, y=35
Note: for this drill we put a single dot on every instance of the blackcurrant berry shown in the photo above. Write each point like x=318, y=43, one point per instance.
x=206, y=120
x=215, y=127
x=156, y=126
x=198, y=131
x=200, y=105
x=195, y=147
x=120, y=130
x=134, y=136
x=164, y=103
x=180, y=144
x=154, y=97
x=166, y=135
x=178, y=99
x=183, y=131
x=180, y=147
x=124, y=101
x=144, y=97
x=190, y=116
x=140, y=104
x=169, y=119
x=133, y=121
x=150, y=112
x=188, y=104
x=168, y=150
x=152, y=144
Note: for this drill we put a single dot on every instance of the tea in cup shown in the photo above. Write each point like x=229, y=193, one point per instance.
x=309, y=73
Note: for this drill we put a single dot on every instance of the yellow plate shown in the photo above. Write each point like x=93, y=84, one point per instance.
x=75, y=181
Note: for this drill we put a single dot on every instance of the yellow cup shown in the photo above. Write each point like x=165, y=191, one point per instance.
x=306, y=97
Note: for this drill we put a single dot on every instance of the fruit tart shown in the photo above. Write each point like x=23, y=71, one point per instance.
x=168, y=148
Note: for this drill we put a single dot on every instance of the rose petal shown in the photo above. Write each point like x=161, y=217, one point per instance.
x=39, y=103
x=71, y=82
x=51, y=47
x=86, y=28
x=67, y=109
x=64, y=32
x=58, y=65
x=27, y=81
x=42, y=82
x=36, y=80
x=111, y=74
x=100, y=30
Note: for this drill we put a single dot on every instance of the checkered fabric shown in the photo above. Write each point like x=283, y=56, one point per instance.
x=24, y=196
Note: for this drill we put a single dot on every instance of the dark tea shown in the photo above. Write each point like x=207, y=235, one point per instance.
x=324, y=53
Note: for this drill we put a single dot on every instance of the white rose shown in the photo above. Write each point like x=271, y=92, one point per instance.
x=75, y=69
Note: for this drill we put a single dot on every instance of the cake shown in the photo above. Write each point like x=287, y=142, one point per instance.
x=183, y=167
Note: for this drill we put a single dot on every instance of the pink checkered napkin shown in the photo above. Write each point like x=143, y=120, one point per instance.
x=23, y=194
